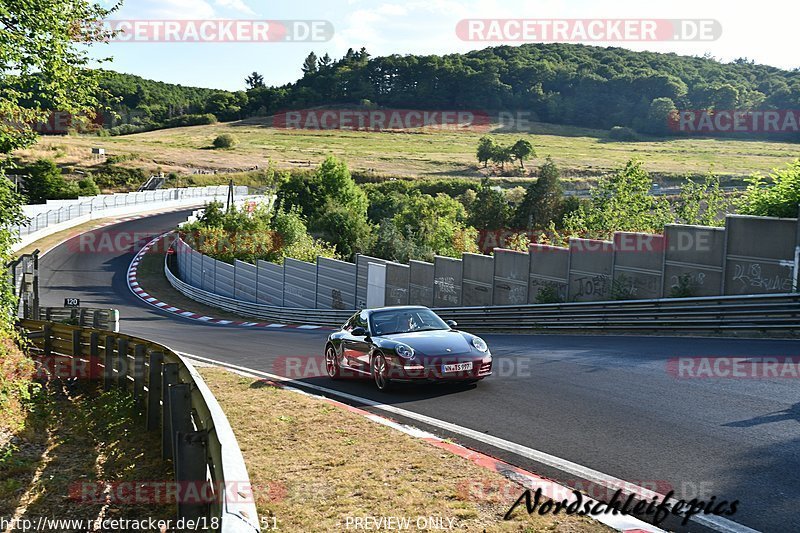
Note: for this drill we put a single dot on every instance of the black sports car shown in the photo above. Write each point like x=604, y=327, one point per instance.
x=409, y=343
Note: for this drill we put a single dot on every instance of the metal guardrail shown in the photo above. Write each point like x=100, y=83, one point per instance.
x=196, y=434
x=82, y=316
x=774, y=313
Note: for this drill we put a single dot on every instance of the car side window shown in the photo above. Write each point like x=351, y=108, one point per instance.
x=351, y=323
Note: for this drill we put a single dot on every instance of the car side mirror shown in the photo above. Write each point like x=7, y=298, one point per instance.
x=451, y=323
x=358, y=332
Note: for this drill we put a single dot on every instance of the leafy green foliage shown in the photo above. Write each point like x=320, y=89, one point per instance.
x=620, y=202
x=225, y=140
x=490, y=210
x=623, y=133
x=334, y=205
x=702, y=203
x=254, y=233
x=425, y=226
x=776, y=195
x=543, y=200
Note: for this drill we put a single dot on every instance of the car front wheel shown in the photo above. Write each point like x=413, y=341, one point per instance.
x=332, y=363
x=380, y=372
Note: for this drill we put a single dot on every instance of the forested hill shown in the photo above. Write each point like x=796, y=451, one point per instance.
x=561, y=83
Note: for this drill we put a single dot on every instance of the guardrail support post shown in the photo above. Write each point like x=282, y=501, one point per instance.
x=154, y=391
x=122, y=363
x=108, y=374
x=190, y=468
x=47, y=345
x=138, y=372
x=94, y=355
x=168, y=379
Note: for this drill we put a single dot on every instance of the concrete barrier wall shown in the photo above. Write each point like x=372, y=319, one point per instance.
x=397, y=277
x=299, y=284
x=638, y=264
x=751, y=255
x=693, y=260
x=244, y=285
x=223, y=279
x=446, y=282
x=549, y=269
x=760, y=254
x=270, y=283
x=336, y=284
x=420, y=283
x=477, y=283
x=362, y=277
x=511, y=272
x=591, y=262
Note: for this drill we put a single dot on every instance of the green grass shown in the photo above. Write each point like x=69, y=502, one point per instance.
x=583, y=154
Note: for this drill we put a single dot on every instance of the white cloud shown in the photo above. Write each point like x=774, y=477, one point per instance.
x=236, y=5
x=168, y=9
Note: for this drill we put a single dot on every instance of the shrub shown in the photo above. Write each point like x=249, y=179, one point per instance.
x=777, y=195
x=87, y=187
x=225, y=140
x=623, y=133
x=549, y=294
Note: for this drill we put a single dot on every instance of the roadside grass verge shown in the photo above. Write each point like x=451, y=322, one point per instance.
x=313, y=464
x=151, y=278
x=74, y=433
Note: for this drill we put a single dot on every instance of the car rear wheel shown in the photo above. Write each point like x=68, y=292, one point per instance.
x=380, y=372
x=332, y=363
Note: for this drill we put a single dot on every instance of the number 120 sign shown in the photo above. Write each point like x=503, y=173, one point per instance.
x=72, y=302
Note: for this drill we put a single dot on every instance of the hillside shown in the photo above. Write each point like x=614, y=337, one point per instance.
x=569, y=84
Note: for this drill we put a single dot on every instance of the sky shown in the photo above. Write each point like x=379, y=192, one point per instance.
x=751, y=30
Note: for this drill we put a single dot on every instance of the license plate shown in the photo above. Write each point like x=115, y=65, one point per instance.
x=458, y=367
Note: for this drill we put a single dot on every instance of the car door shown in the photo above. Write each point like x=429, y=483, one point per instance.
x=356, y=348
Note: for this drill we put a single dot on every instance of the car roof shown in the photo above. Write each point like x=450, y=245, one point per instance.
x=396, y=308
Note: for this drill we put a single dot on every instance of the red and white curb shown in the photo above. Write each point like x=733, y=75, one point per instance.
x=133, y=285
x=528, y=480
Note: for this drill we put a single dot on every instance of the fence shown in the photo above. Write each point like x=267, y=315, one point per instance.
x=82, y=316
x=196, y=434
x=751, y=255
x=57, y=215
x=775, y=314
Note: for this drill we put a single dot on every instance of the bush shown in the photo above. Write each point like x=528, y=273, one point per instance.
x=549, y=294
x=777, y=195
x=87, y=187
x=623, y=133
x=226, y=140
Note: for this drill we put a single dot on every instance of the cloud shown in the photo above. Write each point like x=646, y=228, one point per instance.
x=236, y=5
x=168, y=9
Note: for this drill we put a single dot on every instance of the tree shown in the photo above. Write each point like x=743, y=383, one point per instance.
x=324, y=62
x=777, y=195
x=486, y=148
x=254, y=80
x=224, y=140
x=43, y=46
x=620, y=202
x=543, y=199
x=501, y=155
x=310, y=64
x=44, y=182
x=522, y=150
x=490, y=209
x=701, y=203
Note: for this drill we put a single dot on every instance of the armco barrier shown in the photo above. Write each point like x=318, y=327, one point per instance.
x=769, y=313
x=196, y=434
x=58, y=215
x=82, y=316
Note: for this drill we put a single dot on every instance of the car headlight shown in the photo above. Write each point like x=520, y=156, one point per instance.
x=404, y=351
x=479, y=343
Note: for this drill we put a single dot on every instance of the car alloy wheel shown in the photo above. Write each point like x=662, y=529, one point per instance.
x=380, y=372
x=331, y=363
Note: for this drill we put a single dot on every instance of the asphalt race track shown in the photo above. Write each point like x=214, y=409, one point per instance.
x=605, y=402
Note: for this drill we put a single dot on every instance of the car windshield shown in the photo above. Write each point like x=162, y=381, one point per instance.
x=405, y=321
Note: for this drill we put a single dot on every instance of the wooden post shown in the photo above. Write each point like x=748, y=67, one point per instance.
x=154, y=391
